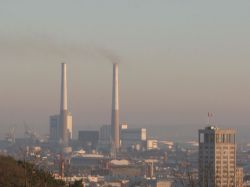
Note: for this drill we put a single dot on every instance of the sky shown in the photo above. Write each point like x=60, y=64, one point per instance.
x=178, y=60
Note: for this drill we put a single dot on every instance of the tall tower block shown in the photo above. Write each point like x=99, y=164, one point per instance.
x=64, y=138
x=217, y=157
x=115, y=130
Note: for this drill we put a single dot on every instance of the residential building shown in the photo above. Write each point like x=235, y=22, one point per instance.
x=217, y=157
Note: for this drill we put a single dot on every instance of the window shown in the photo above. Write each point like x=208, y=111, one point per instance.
x=201, y=137
x=211, y=138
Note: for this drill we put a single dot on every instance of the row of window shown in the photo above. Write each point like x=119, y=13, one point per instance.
x=218, y=138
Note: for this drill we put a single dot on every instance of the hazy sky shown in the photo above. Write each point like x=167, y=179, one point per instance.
x=178, y=60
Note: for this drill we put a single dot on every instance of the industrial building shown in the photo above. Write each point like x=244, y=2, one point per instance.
x=104, y=142
x=61, y=124
x=152, y=144
x=88, y=139
x=55, y=127
x=135, y=138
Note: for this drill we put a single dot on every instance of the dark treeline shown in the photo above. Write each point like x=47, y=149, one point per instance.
x=23, y=174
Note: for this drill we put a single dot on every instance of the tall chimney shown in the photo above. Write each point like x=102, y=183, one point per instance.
x=64, y=102
x=64, y=107
x=115, y=130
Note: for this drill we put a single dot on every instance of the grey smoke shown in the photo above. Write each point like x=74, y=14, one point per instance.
x=49, y=47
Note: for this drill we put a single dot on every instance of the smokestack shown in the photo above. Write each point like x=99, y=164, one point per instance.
x=64, y=107
x=64, y=102
x=115, y=110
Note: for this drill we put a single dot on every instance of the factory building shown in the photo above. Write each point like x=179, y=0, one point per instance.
x=152, y=144
x=88, y=139
x=134, y=138
x=54, y=128
x=104, y=142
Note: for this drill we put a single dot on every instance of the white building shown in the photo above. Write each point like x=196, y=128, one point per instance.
x=124, y=125
x=69, y=125
x=152, y=144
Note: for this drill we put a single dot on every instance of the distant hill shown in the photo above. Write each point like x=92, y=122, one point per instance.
x=18, y=173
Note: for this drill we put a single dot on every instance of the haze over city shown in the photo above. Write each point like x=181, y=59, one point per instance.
x=178, y=61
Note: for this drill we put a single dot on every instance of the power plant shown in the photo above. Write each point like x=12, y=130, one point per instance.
x=61, y=125
x=115, y=129
x=116, y=155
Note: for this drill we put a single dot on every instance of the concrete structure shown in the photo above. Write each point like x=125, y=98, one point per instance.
x=152, y=144
x=119, y=162
x=164, y=183
x=69, y=125
x=61, y=125
x=104, y=142
x=149, y=170
x=128, y=171
x=86, y=160
x=88, y=139
x=64, y=140
x=115, y=129
x=217, y=157
x=135, y=138
x=239, y=177
x=124, y=125
x=54, y=128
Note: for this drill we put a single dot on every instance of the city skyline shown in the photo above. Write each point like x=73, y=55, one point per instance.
x=172, y=72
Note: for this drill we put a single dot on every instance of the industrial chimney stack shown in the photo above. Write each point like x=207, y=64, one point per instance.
x=64, y=138
x=115, y=130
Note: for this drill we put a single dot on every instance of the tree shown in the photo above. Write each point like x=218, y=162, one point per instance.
x=77, y=184
x=22, y=173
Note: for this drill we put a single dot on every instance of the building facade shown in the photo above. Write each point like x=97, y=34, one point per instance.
x=104, y=142
x=133, y=138
x=239, y=177
x=69, y=125
x=88, y=139
x=217, y=157
x=55, y=127
x=124, y=125
x=152, y=144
